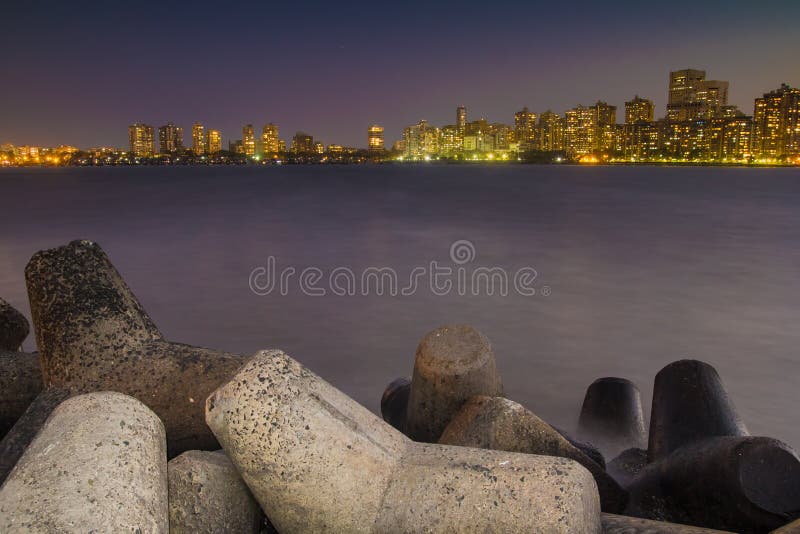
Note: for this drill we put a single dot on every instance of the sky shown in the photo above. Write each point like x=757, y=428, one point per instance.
x=80, y=72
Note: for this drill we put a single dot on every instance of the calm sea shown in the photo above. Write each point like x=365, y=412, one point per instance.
x=634, y=267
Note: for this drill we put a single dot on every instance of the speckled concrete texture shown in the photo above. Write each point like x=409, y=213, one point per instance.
x=317, y=461
x=94, y=335
x=501, y=424
x=98, y=465
x=620, y=524
x=20, y=383
x=207, y=496
x=453, y=363
x=14, y=327
x=14, y=443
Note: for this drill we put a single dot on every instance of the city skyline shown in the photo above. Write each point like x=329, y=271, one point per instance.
x=334, y=69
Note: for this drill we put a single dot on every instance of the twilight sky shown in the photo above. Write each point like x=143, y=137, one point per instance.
x=80, y=72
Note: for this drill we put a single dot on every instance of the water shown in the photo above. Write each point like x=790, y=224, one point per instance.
x=645, y=266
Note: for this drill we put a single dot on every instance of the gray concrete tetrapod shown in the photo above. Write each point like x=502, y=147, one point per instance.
x=20, y=383
x=14, y=327
x=94, y=335
x=207, y=496
x=453, y=363
x=504, y=425
x=790, y=528
x=317, y=461
x=689, y=404
x=394, y=402
x=744, y=484
x=611, y=416
x=98, y=465
x=14, y=443
x=622, y=524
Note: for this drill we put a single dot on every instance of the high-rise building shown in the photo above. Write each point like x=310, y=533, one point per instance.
x=421, y=140
x=605, y=123
x=170, y=138
x=270, y=140
x=461, y=119
x=550, y=132
x=302, y=143
x=580, y=130
x=248, y=140
x=776, y=123
x=142, y=140
x=693, y=97
x=213, y=141
x=375, y=138
x=198, y=139
x=639, y=110
x=525, y=129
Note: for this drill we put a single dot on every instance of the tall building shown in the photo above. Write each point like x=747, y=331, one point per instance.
x=550, y=132
x=580, y=130
x=270, y=140
x=375, y=138
x=302, y=143
x=461, y=119
x=525, y=129
x=170, y=138
x=776, y=123
x=142, y=140
x=639, y=110
x=421, y=140
x=605, y=123
x=198, y=139
x=213, y=141
x=693, y=97
x=248, y=140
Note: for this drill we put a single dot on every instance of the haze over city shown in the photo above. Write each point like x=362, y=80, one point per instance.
x=81, y=73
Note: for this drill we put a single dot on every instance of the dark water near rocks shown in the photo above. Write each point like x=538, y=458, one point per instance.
x=644, y=266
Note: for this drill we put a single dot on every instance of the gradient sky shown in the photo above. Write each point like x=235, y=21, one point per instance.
x=80, y=72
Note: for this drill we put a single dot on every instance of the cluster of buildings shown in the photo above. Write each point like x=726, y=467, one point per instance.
x=268, y=144
x=699, y=126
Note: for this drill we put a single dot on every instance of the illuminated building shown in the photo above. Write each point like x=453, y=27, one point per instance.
x=525, y=129
x=693, y=97
x=639, y=110
x=270, y=140
x=198, y=139
x=503, y=136
x=213, y=141
x=170, y=138
x=319, y=148
x=421, y=140
x=641, y=140
x=776, y=123
x=727, y=139
x=461, y=119
x=142, y=140
x=375, y=138
x=450, y=142
x=302, y=143
x=550, y=132
x=605, y=124
x=248, y=140
x=580, y=131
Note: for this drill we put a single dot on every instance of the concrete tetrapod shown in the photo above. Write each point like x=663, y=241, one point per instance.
x=93, y=335
x=611, y=416
x=207, y=496
x=317, y=461
x=622, y=524
x=98, y=465
x=504, y=425
x=453, y=363
x=14, y=327
x=20, y=383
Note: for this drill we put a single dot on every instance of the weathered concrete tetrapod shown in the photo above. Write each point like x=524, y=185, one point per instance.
x=14, y=327
x=791, y=528
x=453, y=363
x=94, y=335
x=744, y=484
x=689, y=404
x=98, y=465
x=207, y=495
x=622, y=524
x=625, y=467
x=394, y=402
x=317, y=461
x=14, y=443
x=20, y=383
x=504, y=425
x=611, y=416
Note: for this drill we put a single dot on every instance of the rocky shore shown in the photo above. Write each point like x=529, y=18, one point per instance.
x=110, y=427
